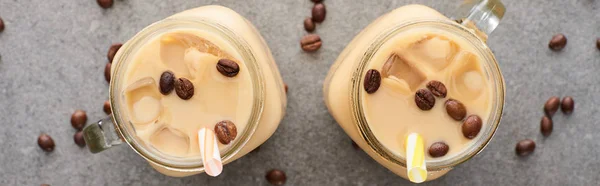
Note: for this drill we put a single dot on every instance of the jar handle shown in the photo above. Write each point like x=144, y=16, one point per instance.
x=481, y=15
x=101, y=135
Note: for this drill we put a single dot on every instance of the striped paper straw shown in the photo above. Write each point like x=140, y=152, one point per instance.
x=415, y=158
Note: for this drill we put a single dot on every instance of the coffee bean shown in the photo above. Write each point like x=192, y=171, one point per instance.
x=437, y=88
x=167, y=82
x=228, y=67
x=311, y=43
x=558, y=42
x=316, y=1
x=525, y=147
x=551, y=106
x=567, y=105
x=372, y=81
x=597, y=40
x=276, y=177
x=107, y=109
x=286, y=88
x=309, y=25
x=1, y=25
x=78, y=138
x=471, y=126
x=105, y=3
x=112, y=51
x=438, y=149
x=46, y=143
x=107, y=72
x=184, y=88
x=456, y=109
x=78, y=119
x=225, y=131
x=319, y=12
x=546, y=126
x=424, y=99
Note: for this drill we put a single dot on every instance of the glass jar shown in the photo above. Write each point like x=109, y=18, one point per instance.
x=343, y=86
x=268, y=104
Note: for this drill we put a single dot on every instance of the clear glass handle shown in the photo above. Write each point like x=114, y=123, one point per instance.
x=481, y=15
x=101, y=135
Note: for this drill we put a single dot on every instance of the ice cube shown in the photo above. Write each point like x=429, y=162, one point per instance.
x=172, y=52
x=143, y=101
x=396, y=85
x=201, y=44
x=436, y=51
x=171, y=141
x=198, y=62
x=402, y=67
x=467, y=79
x=141, y=83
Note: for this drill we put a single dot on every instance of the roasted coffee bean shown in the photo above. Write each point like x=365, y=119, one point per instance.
x=424, y=99
x=286, y=88
x=228, y=67
x=568, y=105
x=525, y=147
x=107, y=109
x=78, y=138
x=276, y=177
x=107, y=72
x=471, y=126
x=105, y=3
x=46, y=143
x=551, y=106
x=438, y=149
x=225, y=131
x=167, y=82
x=372, y=81
x=316, y=1
x=319, y=12
x=78, y=119
x=456, y=109
x=597, y=40
x=437, y=88
x=1, y=25
x=184, y=88
x=546, y=126
x=112, y=51
x=309, y=25
x=558, y=42
x=311, y=43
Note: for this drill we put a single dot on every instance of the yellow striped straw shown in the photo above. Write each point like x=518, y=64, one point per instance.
x=415, y=158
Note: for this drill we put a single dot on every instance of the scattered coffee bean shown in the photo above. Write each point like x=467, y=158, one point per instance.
x=184, y=88
x=276, y=177
x=372, y=81
x=568, y=105
x=107, y=72
x=319, y=12
x=424, y=99
x=438, y=149
x=525, y=147
x=228, y=67
x=78, y=138
x=311, y=43
x=286, y=88
x=551, y=106
x=356, y=147
x=558, y=42
x=597, y=40
x=471, y=126
x=309, y=25
x=112, y=51
x=167, y=82
x=1, y=25
x=456, y=109
x=105, y=3
x=78, y=119
x=107, y=109
x=316, y=1
x=46, y=143
x=437, y=88
x=225, y=131
x=546, y=126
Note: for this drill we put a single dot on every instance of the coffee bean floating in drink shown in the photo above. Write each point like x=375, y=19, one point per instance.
x=228, y=67
x=105, y=3
x=525, y=147
x=184, y=88
x=318, y=12
x=78, y=119
x=471, y=126
x=167, y=82
x=311, y=43
x=276, y=177
x=106, y=108
x=107, y=72
x=567, y=105
x=309, y=25
x=558, y=42
x=551, y=106
x=424, y=99
x=437, y=88
x=112, y=51
x=45, y=142
x=438, y=149
x=546, y=126
x=372, y=81
x=78, y=138
x=456, y=109
x=225, y=131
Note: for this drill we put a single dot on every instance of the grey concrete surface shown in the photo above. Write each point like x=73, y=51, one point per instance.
x=53, y=57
